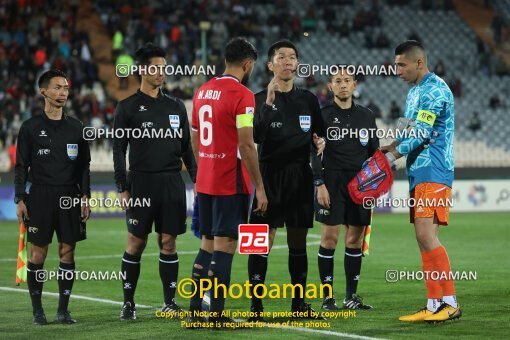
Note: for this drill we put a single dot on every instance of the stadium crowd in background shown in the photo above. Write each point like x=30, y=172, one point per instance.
x=38, y=35
x=34, y=38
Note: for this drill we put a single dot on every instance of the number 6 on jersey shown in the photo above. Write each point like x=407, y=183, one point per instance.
x=205, y=125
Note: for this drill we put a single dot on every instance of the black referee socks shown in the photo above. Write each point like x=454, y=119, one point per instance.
x=34, y=286
x=298, y=269
x=202, y=261
x=65, y=284
x=221, y=267
x=352, y=266
x=168, y=270
x=325, y=259
x=131, y=268
x=257, y=269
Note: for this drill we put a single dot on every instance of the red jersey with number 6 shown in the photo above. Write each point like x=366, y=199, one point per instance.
x=220, y=107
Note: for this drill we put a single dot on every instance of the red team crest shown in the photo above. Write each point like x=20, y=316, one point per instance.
x=373, y=180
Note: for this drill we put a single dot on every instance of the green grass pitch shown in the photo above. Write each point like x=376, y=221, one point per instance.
x=475, y=242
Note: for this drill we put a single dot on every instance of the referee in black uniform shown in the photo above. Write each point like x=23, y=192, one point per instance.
x=351, y=139
x=155, y=163
x=287, y=120
x=53, y=156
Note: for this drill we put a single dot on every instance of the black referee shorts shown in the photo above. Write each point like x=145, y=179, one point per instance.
x=289, y=191
x=47, y=216
x=342, y=209
x=221, y=215
x=167, y=210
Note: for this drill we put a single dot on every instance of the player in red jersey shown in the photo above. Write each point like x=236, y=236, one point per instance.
x=222, y=140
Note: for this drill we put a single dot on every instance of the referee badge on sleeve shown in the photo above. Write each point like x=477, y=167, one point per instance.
x=363, y=137
x=305, y=122
x=72, y=151
x=175, y=121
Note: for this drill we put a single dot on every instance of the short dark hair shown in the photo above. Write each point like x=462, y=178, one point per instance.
x=238, y=50
x=331, y=75
x=408, y=46
x=144, y=54
x=47, y=76
x=279, y=44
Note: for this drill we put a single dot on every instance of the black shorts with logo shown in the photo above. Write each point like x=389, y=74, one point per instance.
x=49, y=210
x=167, y=206
x=289, y=191
x=221, y=215
x=342, y=210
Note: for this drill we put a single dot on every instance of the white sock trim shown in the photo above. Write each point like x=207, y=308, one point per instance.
x=66, y=270
x=133, y=262
x=354, y=255
x=174, y=261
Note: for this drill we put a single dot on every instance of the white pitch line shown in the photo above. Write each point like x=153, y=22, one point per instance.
x=111, y=302
x=185, y=252
x=74, y=296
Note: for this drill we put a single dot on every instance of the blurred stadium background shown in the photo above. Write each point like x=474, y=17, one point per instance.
x=468, y=43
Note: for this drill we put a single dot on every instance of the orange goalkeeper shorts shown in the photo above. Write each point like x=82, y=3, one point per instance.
x=429, y=199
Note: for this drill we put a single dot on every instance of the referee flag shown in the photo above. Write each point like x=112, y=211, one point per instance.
x=365, y=249
x=21, y=267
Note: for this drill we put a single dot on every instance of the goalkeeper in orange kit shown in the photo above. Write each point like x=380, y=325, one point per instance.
x=429, y=157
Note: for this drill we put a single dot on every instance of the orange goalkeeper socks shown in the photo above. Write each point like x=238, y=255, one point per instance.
x=428, y=259
x=437, y=272
x=442, y=265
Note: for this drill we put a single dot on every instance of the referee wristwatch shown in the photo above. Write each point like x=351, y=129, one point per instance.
x=18, y=199
x=121, y=188
x=272, y=107
x=318, y=182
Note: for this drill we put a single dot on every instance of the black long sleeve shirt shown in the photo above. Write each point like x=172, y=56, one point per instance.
x=166, y=151
x=52, y=152
x=284, y=131
x=350, y=152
